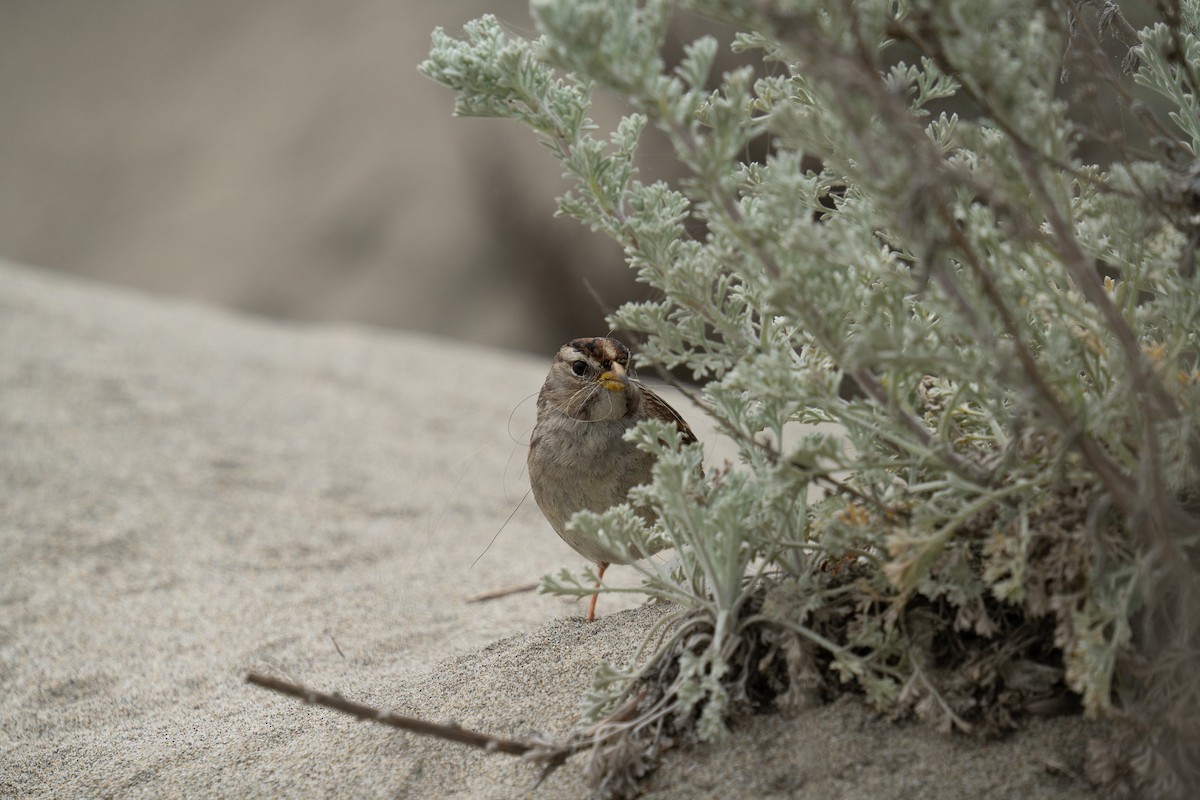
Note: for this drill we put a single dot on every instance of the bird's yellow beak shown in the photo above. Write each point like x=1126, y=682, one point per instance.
x=614, y=379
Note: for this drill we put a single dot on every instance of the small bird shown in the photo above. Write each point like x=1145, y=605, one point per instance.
x=578, y=458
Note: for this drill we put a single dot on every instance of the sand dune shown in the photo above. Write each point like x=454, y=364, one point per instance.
x=189, y=494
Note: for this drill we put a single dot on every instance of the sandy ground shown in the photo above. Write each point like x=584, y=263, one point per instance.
x=189, y=494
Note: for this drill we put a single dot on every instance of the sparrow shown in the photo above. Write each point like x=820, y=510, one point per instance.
x=578, y=457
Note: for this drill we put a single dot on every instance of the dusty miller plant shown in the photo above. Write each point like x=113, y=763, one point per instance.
x=998, y=337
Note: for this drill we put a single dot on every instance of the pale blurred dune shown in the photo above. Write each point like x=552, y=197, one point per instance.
x=285, y=157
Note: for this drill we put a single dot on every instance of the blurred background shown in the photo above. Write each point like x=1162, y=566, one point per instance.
x=285, y=158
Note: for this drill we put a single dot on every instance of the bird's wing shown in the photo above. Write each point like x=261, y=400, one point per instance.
x=657, y=407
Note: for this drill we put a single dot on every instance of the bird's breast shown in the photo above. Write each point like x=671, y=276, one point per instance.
x=575, y=465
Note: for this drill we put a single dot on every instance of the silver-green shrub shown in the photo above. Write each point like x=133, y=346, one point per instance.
x=1000, y=336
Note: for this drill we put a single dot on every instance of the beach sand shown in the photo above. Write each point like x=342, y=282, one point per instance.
x=190, y=494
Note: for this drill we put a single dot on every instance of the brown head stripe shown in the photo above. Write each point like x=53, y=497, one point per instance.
x=605, y=351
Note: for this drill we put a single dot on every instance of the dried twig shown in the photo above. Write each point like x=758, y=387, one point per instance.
x=548, y=753
x=498, y=593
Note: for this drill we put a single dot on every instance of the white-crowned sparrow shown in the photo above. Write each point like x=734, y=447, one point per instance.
x=578, y=458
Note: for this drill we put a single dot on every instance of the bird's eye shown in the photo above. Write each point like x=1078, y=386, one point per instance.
x=579, y=367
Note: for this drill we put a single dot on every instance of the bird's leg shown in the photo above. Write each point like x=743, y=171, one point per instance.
x=591, y=615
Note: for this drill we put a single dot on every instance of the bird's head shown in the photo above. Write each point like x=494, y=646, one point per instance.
x=590, y=380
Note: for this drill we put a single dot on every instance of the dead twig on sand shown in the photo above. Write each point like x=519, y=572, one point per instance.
x=498, y=593
x=548, y=754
